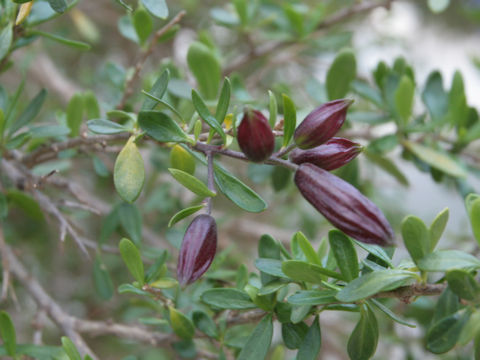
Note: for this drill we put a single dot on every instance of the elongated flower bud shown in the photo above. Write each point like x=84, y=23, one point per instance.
x=343, y=205
x=198, y=249
x=321, y=124
x=335, y=153
x=255, y=136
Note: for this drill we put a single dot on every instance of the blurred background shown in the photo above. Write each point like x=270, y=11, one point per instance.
x=427, y=38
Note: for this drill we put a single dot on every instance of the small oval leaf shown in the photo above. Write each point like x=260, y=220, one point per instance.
x=129, y=172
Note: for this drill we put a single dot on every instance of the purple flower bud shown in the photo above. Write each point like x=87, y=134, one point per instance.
x=335, y=153
x=321, y=124
x=343, y=205
x=255, y=136
x=198, y=249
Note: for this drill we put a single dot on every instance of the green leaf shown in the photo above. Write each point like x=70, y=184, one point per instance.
x=290, y=119
x=205, y=324
x=390, y=313
x=436, y=159
x=367, y=91
x=364, y=338
x=102, y=280
x=58, y=5
x=271, y=267
x=7, y=332
x=463, y=284
x=303, y=271
x=106, y=127
x=131, y=257
x=474, y=214
x=75, y=114
x=182, y=214
x=181, y=159
x=181, y=325
x=130, y=289
x=129, y=172
x=444, y=260
x=443, y=335
x=157, y=8
x=239, y=193
x=258, y=343
x=29, y=113
x=161, y=127
x=158, y=90
x=6, y=36
x=313, y=297
x=373, y=283
x=192, y=183
x=158, y=269
x=205, y=67
x=310, y=346
x=404, y=96
x=307, y=249
x=223, y=298
x=293, y=334
x=143, y=24
x=376, y=251
x=38, y=352
x=272, y=287
x=18, y=141
x=437, y=227
x=223, y=101
x=340, y=75
x=344, y=253
x=91, y=106
x=268, y=248
x=26, y=203
x=206, y=116
x=70, y=349
x=131, y=220
x=416, y=237
x=80, y=45
x=435, y=97
x=241, y=6
x=273, y=108
x=448, y=303
x=164, y=283
x=388, y=166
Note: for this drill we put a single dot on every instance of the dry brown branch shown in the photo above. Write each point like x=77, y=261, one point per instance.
x=144, y=56
x=5, y=268
x=45, y=302
x=48, y=152
x=65, y=227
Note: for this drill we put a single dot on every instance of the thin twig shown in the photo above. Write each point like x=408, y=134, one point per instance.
x=211, y=181
x=65, y=227
x=143, y=58
x=45, y=302
x=5, y=268
x=53, y=149
x=238, y=155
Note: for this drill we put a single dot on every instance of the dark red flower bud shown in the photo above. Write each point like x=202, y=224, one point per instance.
x=335, y=153
x=255, y=136
x=321, y=124
x=343, y=205
x=198, y=249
